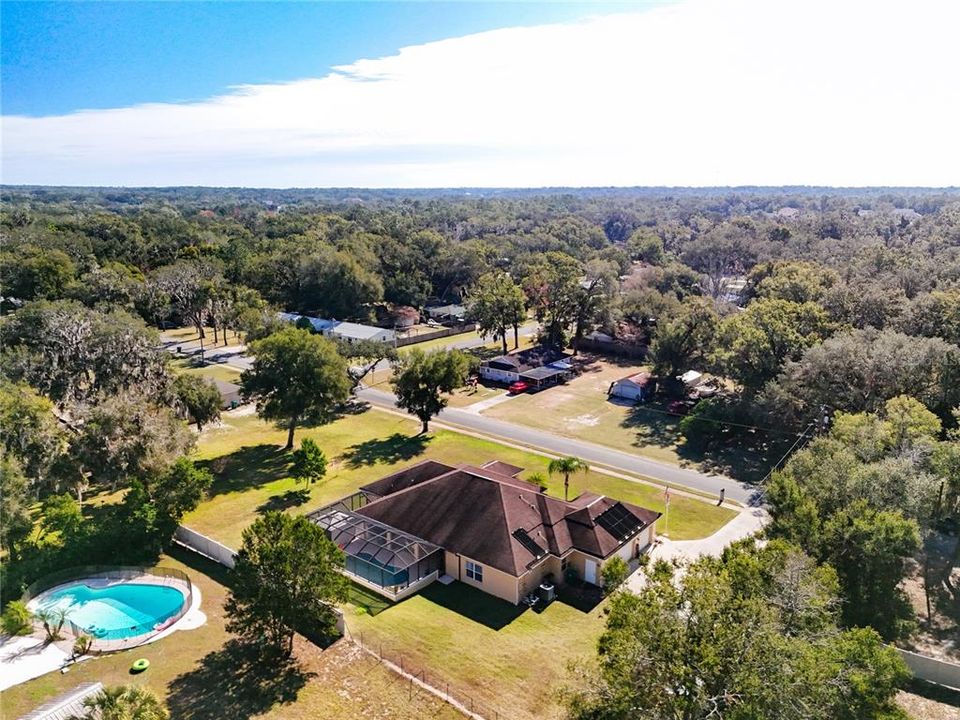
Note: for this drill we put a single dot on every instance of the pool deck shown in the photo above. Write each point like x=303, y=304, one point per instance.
x=24, y=658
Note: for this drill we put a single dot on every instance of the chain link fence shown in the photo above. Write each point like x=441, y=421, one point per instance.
x=428, y=678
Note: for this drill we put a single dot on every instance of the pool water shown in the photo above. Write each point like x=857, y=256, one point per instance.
x=116, y=611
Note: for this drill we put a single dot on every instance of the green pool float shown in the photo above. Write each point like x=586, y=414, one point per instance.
x=140, y=665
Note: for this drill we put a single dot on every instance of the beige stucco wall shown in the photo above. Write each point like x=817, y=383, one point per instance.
x=495, y=582
x=532, y=579
x=511, y=589
x=450, y=565
x=628, y=551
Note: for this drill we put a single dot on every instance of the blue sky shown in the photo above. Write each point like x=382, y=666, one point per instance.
x=66, y=56
x=688, y=92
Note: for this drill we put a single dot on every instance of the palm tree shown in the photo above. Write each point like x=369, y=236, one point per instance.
x=567, y=465
x=124, y=702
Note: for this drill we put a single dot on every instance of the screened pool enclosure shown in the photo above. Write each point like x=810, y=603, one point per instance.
x=378, y=554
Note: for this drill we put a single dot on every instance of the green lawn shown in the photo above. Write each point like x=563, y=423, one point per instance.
x=214, y=371
x=581, y=409
x=251, y=471
x=440, y=343
x=202, y=675
x=508, y=661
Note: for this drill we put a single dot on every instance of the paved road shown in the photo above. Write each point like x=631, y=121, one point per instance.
x=589, y=452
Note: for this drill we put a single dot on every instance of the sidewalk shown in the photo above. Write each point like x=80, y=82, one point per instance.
x=750, y=521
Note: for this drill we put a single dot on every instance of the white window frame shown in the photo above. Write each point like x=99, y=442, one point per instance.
x=474, y=571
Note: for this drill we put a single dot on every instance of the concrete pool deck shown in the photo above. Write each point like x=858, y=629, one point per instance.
x=27, y=657
x=24, y=658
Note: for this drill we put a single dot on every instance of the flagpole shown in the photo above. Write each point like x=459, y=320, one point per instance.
x=666, y=511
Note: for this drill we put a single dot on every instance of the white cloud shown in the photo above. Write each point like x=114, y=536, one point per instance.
x=699, y=93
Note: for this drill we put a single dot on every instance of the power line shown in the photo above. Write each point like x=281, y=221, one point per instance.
x=723, y=422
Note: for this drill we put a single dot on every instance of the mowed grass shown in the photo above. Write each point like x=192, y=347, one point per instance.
x=511, y=663
x=440, y=343
x=251, y=471
x=214, y=371
x=202, y=674
x=581, y=409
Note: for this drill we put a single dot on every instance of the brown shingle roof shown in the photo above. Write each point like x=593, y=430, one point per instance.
x=477, y=512
x=503, y=468
x=409, y=476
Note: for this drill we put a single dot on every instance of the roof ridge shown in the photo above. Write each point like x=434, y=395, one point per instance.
x=415, y=486
x=501, y=488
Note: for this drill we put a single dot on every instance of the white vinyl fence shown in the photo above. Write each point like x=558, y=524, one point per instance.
x=205, y=546
x=940, y=672
x=220, y=553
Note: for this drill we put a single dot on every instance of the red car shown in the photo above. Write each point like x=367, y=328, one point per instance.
x=518, y=387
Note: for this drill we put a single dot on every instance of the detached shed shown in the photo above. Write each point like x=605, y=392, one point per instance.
x=639, y=387
x=230, y=394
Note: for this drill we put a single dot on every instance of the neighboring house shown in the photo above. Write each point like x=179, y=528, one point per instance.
x=351, y=332
x=446, y=313
x=639, y=387
x=354, y=332
x=230, y=396
x=538, y=366
x=319, y=325
x=480, y=525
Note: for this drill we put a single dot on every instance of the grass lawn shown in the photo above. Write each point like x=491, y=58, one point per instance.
x=509, y=661
x=582, y=410
x=251, y=471
x=464, y=397
x=214, y=371
x=440, y=343
x=190, y=339
x=202, y=675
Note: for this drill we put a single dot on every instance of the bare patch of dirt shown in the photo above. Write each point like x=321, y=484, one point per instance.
x=921, y=708
x=938, y=634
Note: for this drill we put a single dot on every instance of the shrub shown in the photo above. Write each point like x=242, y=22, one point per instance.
x=614, y=573
x=82, y=645
x=53, y=621
x=16, y=619
x=538, y=479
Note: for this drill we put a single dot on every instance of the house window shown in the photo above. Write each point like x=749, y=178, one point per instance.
x=474, y=571
x=564, y=564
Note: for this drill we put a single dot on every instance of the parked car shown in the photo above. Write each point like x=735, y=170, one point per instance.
x=518, y=387
x=678, y=407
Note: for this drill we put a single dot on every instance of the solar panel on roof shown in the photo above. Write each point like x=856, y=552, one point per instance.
x=619, y=522
x=529, y=543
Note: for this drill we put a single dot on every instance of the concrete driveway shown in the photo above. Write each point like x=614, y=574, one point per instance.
x=749, y=521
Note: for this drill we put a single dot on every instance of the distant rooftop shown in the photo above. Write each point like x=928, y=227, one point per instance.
x=66, y=706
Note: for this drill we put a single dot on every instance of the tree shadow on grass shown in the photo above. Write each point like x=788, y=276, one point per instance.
x=388, y=450
x=235, y=682
x=745, y=461
x=285, y=501
x=473, y=604
x=581, y=596
x=250, y=466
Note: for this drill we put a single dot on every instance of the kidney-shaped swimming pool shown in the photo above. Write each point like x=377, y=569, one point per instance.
x=115, y=611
